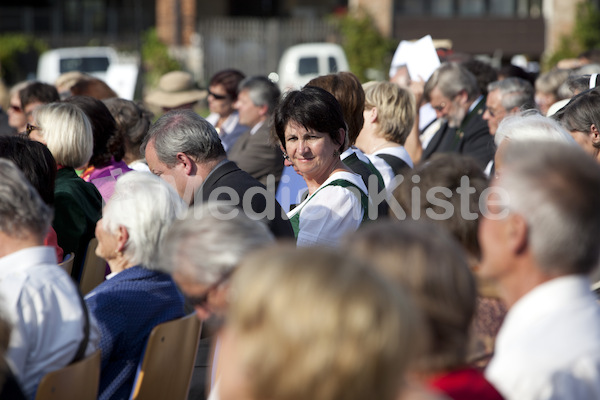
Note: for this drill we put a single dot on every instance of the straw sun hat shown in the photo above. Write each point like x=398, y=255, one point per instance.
x=175, y=89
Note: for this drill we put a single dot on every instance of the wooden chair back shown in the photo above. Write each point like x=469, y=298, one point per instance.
x=166, y=367
x=67, y=263
x=94, y=269
x=78, y=381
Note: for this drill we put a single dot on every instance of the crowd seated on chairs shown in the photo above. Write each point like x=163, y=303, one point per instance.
x=137, y=295
x=490, y=298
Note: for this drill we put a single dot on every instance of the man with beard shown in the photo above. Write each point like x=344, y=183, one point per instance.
x=455, y=97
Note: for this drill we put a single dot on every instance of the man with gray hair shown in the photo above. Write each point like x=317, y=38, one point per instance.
x=185, y=150
x=507, y=97
x=51, y=325
x=203, y=250
x=539, y=241
x=254, y=151
x=529, y=126
x=453, y=92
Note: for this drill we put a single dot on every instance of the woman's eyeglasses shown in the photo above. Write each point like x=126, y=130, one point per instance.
x=28, y=129
x=217, y=96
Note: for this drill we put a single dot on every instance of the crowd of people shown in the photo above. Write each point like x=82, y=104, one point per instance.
x=442, y=245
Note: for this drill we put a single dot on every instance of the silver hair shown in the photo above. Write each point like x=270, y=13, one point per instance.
x=146, y=206
x=22, y=210
x=532, y=126
x=551, y=81
x=452, y=78
x=183, y=131
x=556, y=189
x=262, y=91
x=514, y=92
x=211, y=240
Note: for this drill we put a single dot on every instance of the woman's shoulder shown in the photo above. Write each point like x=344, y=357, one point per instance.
x=76, y=190
x=345, y=179
x=133, y=282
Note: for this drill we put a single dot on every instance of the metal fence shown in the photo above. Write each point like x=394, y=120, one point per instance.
x=254, y=45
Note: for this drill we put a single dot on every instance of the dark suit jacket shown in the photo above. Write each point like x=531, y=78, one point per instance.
x=257, y=155
x=472, y=138
x=229, y=175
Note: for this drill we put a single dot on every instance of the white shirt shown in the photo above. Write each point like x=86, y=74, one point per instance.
x=44, y=308
x=355, y=150
x=384, y=168
x=549, y=344
x=230, y=130
x=330, y=212
x=139, y=165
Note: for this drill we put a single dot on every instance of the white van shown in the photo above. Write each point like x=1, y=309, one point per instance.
x=92, y=60
x=303, y=62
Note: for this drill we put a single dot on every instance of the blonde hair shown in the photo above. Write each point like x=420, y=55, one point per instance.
x=315, y=324
x=424, y=259
x=396, y=109
x=67, y=132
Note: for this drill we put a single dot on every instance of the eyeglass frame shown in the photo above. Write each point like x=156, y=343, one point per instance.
x=201, y=300
x=217, y=96
x=28, y=129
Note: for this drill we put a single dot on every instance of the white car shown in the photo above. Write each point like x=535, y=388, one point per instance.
x=102, y=62
x=92, y=60
x=303, y=62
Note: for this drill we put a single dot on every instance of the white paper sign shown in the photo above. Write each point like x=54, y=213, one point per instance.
x=420, y=58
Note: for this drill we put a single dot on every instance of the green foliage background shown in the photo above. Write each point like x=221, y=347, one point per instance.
x=585, y=35
x=156, y=60
x=364, y=45
x=17, y=50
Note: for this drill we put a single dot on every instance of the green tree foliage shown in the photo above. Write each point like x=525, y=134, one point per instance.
x=587, y=25
x=364, y=45
x=585, y=34
x=18, y=56
x=155, y=58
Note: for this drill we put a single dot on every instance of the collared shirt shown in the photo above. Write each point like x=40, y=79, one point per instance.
x=256, y=127
x=230, y=130
x=46, y=313
x=549, y=344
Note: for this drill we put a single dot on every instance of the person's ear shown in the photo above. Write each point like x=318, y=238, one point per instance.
x=372, y=115
x=122, y=238
x=263, y=110
x=463, y=96
x=595, y=134
x=518, y=234
x=341, y=137
x=186, y=163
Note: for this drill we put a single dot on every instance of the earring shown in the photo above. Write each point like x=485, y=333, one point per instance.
x=336, y=153
x=286, y=157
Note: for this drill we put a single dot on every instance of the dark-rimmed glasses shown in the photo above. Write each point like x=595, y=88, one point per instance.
x=217, y=96
x=28, y=129
x=198, y=301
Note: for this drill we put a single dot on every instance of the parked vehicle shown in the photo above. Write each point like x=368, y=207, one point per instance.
x=119, y=71
x=92, y=60
x=303, y=62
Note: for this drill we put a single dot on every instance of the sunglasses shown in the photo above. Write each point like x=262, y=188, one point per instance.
x=199, y=301
x=217, y=96
x=28, y=129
